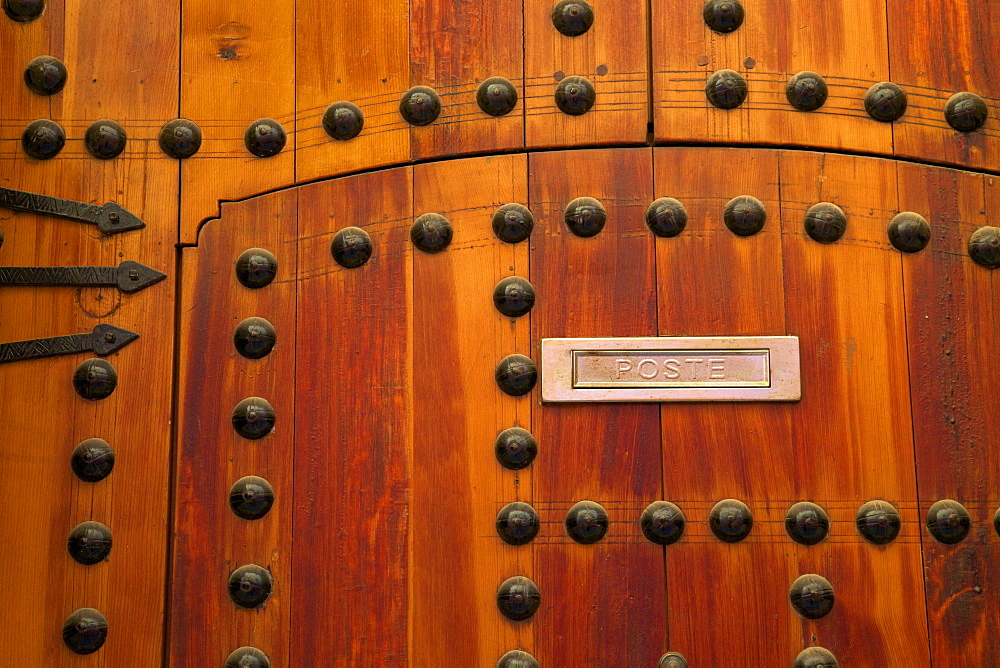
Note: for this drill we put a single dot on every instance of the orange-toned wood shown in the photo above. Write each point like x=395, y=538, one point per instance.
x=352, y=443
x=598, y=286
x=458, y=560
x=210, y=541
x=237, y=65
x=612, y=55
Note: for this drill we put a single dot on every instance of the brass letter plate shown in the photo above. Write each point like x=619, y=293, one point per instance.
x=706, y=368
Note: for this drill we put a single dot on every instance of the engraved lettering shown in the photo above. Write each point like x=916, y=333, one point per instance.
x=623, y=367
x=692, y=362
x=672, y=369
x=717, y=369
x=648, y=374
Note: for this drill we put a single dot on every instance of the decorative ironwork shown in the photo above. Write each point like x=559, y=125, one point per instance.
x=110, y=218
x=104, y=340
x=128, y=276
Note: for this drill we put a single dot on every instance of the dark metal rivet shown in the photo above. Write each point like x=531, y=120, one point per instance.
x=248, y=657
x=23, y=11
x=496, y=96
x=744, y=215
x=807, y=523
x=250, y=585
x=180, y=138
x=420, y=106
x=811, y=596
x=572, y=17
x=516, y=448
x=89, y=543
x=726, y=89
x=516, y=375
x=513, y=223
x=885, y=102
x=253, y=418
x=256, y=267
x=672, y=660
x=92, y=460
x=518, y=598
x=723, y=15
x=85, y=631
x=431, y=233
x=351, y=247
x=585, y=216
x=45, y=75
x=587, y=522
x=825, y=222
x=966, y=112
x=984, y=247
x=517, y=659
x=662, y=523
x=909, y=232
x=575, y=95
x=95, y=379
x=948, y=521
x=43, y=139
x=343, y=120
x=105, y=139
x=517, y=523
x=1, y=238
x=514, y=296
x=806, y=91
x=265, y=137
x=254, y=338
x=878, y=522
x=996, y=521
x=816, y=657
x=251, y=497
x=666, y=217
x=730, y=520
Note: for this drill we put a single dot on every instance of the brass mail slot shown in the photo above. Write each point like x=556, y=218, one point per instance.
x=740, y=368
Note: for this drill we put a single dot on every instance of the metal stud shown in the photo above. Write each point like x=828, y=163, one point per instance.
x=514, y=296
x=966, y=112
x=85, y=631
x=517, y=523
x=496, y=96
x=806, y=91
x=885, y=102
x=248, y=657
x=431, y=233
x=250, y=585
x=1, y=238
x=513, y=223
x=723, y=15
x=662, y=523
x=517, y=659
x=585, y=216
x=43, y=139
x=825, y=222
x=265, y=137
x=45, y=75
x=730, y=520
x=575, y=95
x=744, y=215
x=587, y=522
x=996, y=521
x=254, y=338
x=420, y=105
x=256, y=267
x=89, y=543
x=23, y=11
x=343, y=120
x=666, y=217
x=811, y=596
x=726, y=89
x=672, y=660
x=105, y=139
x=180, y=138
x=878, y=522
x=518, y=598
x=251, y=497
x=95, y=379
x=572, y=17
x=984, y=247
x=807, y=523
x=253, y=418
x=92, y=460
x=948, y=521
x=516, y=448
x=516, y=375
x=909, y=232
x=351, y=247
x=816, y=657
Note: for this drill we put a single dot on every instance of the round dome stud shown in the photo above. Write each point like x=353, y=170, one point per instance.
x=43, y=139
x=351, y=247
x=885, y=102
x=45, y=75
x=516, y=375
x=666, y=217
x=806, y=91
x=726, y=89
x=497, y=96
x=23, y=11
x=816, y=657
x=515, y=448
x=948, y=521
x=517, y=659
x=825, y=222
x=730, y=520
x=180, y=138
x=249, y=586
x=513, y=223
x=85, y=631
x=575, y=95
x=572, y=17
x=723, y=16
x=343, y=121
x=92, y=460
x=105, y=139
x=878, y=522
x=514, y=296
x=518, y=598
x=672, y=660
x=744, y=215
x=431, y=233
x=265, y=137
x=984, y=247
x=254, y=338
x=420, y=106
x=256, y=268
x=89, y=543
x=587, y=522
x=585, y=217
x=811, y=596
x=95, y=379
x=909, y=231
x=662, y=523
x=966, y=112
x=807, y=523
x=517, y=523
x=251, y=497
x=253, y=418
x=248, y=657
